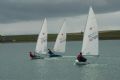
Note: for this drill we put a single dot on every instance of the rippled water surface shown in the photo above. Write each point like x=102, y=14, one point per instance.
x=15, y=63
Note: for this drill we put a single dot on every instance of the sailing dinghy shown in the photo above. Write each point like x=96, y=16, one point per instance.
x=41, y=45
x=90, y=38
x=60, y=42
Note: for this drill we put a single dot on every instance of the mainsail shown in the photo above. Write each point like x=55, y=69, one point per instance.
x=41, y=46
x=60, y=43
x=90, y=39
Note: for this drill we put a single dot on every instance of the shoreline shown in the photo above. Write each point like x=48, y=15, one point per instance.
x=103, y=35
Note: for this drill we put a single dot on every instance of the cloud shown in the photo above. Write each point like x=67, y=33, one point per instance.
x=107, y=21
x=25, y=10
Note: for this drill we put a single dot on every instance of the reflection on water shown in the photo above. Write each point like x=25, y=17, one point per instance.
x=16, y=65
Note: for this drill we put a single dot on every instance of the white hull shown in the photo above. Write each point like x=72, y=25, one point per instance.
x=80, y=63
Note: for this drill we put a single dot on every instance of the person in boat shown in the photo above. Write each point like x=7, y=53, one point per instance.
x=32, y=55
x=80, y=58
x=51, y=54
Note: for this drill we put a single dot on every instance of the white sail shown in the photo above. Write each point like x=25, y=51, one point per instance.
x=60, y=43
x=41, y=46
x=90, y=39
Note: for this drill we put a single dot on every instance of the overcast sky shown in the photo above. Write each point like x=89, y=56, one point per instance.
x=25, y=16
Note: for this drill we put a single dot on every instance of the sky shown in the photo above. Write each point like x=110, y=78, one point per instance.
x=26, y=16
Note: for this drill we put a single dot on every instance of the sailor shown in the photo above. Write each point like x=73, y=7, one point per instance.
x=80, y=58
x=31, y=55
x=51, y=54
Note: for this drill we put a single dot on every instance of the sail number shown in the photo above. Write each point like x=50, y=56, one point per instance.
x=62, y=39
x=92, y=36
x=43, y=40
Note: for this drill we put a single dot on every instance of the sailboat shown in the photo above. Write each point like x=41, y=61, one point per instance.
x=60, y=42
x=90, y=39
x=41, y=45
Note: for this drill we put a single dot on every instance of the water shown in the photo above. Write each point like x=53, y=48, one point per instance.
x=15, y=63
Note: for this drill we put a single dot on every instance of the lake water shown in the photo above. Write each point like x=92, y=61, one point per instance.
x=15, y=63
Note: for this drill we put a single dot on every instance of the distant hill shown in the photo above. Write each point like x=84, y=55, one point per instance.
x=113, y=34
x=103, y=35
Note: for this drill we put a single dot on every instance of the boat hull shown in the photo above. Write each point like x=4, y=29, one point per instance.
x=37, y=57
x=54, y=56
x=80, y=63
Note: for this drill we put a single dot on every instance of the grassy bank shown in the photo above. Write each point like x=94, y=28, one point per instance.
x=104, y=35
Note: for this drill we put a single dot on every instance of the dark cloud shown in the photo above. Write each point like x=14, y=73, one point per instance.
x=19, y=10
